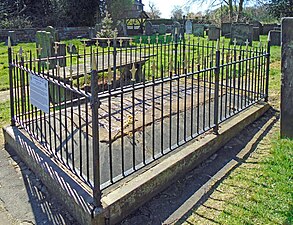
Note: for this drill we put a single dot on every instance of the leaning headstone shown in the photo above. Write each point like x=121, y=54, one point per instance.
x=214, y=33
x=257, y=24
x=241, y=32
x=45, y=41
x=148, y=28
x=225, y=28
x=13, y=38
x=255, y=34
x=188, y=27
x=287, y=79
x=162, y=29
x=198, y=30
x=53, y=32
x=275, y=37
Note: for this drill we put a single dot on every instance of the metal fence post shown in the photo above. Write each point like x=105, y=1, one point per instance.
x=95, y=104
x=268, y=56
x=12, y=120
x=217, y=83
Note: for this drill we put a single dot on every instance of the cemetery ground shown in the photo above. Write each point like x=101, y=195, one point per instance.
x=254, y=189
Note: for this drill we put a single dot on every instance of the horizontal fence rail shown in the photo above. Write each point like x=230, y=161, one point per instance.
x=117, y=106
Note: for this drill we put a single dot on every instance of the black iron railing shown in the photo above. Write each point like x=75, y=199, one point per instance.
x=115, y=109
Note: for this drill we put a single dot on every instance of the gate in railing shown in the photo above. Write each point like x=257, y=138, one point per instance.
x=107, y=112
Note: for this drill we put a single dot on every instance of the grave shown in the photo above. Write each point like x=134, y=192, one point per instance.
x=45, y=41
x=241, y=32
x=214, y=33
x=176, y=28
x=162, y=29
x=148, y=28
x=198, y=30
x=267, y=27
x=53, y=32
x=122, y=29
x=287, y=78
x=13, y=38
x=257, y=24
x=188, y=27
x=226, y=28
x=92, y=32
x=275, y=37
x=256, y=33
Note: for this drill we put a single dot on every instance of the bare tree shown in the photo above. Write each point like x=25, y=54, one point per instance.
x=177, y=12
x=235, y=6
x=154, y=12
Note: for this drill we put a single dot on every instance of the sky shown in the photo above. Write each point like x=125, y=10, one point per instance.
x=166, y=6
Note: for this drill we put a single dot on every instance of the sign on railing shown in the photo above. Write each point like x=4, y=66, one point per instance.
x=39, y=93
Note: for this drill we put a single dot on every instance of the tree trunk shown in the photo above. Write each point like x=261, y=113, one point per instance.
x=239, y=16
x=230, y=10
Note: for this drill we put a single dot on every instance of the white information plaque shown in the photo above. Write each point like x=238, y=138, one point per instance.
x=39, y=93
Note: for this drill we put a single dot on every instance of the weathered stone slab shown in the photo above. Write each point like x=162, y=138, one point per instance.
x=226, y=28
x=148, y=28
x=214, y=33
x=13, y=38
x=275, y=37
x=176, y=28
x=198, y=30
x=162, y=29
x=241, y=32
x=287, y=78
x=188, y=27
x=53, y=32
x=256, y=33
x=267, y=27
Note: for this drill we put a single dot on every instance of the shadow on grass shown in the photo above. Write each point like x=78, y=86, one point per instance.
x=182, y=198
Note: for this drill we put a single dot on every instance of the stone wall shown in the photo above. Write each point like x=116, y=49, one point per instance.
x=29, y=34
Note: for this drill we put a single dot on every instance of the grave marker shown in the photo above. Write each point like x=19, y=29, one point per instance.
x=214, y=33
x=188, y=27
x=287, y=79
x=241, y=32
x=198, y=30
x=275, y=37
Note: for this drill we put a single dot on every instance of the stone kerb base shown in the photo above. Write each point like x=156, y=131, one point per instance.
x=127, y=195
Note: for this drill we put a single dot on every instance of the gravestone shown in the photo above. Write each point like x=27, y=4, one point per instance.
x=267, y=27
x=162, y=29
x=61, y=51
x=287, y=79
x=13, y=38
x=176, y=28
x=45, y=41
x=226, y=29
x=198, y=30
x=53, y=32
x=275, y=37
x=257, y=24
x=214, y=33
x=255, y=34
x=188, y=27
x=241, y=32
x=92, y=32
x=148, y=28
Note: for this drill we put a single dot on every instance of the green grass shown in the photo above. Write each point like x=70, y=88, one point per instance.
x=267, y=196
x=4, y=113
